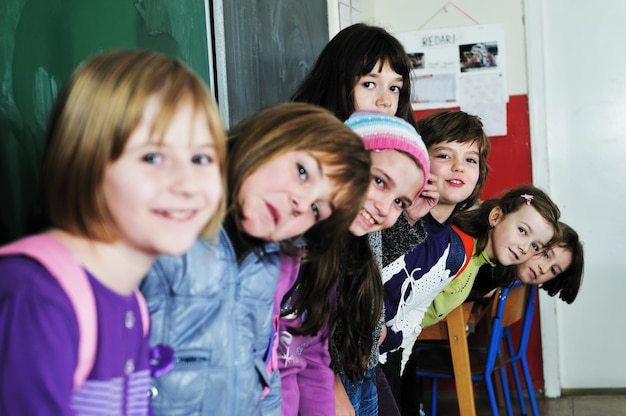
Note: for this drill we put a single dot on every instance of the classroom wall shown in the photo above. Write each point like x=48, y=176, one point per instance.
x=577, y=87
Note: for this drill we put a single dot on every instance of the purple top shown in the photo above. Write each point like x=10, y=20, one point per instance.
x=39, y=348
x=303, y=361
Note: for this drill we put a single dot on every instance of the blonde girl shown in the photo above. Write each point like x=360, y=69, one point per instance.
x=134, y=167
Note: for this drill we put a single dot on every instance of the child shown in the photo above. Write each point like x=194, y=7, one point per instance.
x=362, y=68
x=134, y=167
x=563, y=278
x=290, y=168
x=507, y=231
x=399, y=172
x=558, y=270
x=458, y=149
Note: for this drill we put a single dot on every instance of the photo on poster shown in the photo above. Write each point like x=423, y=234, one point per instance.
x=478, y=56
x=417, y=60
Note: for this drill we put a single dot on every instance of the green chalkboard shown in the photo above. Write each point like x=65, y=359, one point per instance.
x=41, y=42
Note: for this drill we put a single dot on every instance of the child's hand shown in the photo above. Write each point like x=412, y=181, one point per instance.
x=426, y=201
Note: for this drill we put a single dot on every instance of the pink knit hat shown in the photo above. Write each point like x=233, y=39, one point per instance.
x=382, y=132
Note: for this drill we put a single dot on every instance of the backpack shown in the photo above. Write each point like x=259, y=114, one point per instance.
x=61, y=263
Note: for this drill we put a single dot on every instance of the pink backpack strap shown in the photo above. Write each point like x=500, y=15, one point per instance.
x=145, y=314
x=60, y=262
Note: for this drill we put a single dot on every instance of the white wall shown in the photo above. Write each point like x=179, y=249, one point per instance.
x=577, y=99
x=578, y=81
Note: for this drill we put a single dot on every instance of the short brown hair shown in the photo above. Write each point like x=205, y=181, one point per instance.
x=93, y=117
x=458, y=126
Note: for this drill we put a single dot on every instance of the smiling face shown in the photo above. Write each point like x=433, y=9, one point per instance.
x=162, y=191
x=517, y=236
x=456, y=166
x=545, y=266
x=285, y=197
x=396, y=179
x=379, y=90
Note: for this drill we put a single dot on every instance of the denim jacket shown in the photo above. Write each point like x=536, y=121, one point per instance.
x=217, y=315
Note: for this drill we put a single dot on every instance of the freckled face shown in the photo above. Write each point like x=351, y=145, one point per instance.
x=518, y=235
x=545, y=266
x=379, y=90
x=285, y=197
x=396, y=179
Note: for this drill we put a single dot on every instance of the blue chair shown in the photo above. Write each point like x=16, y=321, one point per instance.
x=508, y=306
x=518, y=357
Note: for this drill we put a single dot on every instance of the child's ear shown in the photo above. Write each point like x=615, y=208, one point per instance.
x=495, y=216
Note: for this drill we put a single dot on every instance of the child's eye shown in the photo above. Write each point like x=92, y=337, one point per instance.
x=302, y=172
x=202, y=159
x=400, y=203
x=553, y=271
x=472, y=160
x=368, y=84
x=395, y=88
x=316, y=211
x=153, y=158
x=442, y=156
x=521, y=230
x=535, y=247
x=379, y=181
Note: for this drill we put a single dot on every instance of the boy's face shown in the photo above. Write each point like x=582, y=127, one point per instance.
x=456, y=167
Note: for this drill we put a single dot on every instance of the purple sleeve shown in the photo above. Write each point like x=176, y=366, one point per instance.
x=38, y=341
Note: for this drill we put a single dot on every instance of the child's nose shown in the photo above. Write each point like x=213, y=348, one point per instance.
x=296, y=203
x=384, y=99
x=184, y=179
x=382, y=207
x=458, y=165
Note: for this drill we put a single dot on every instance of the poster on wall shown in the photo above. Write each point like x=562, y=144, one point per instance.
x=460, y=67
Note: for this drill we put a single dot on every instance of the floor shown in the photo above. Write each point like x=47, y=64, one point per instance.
x=567, y=405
